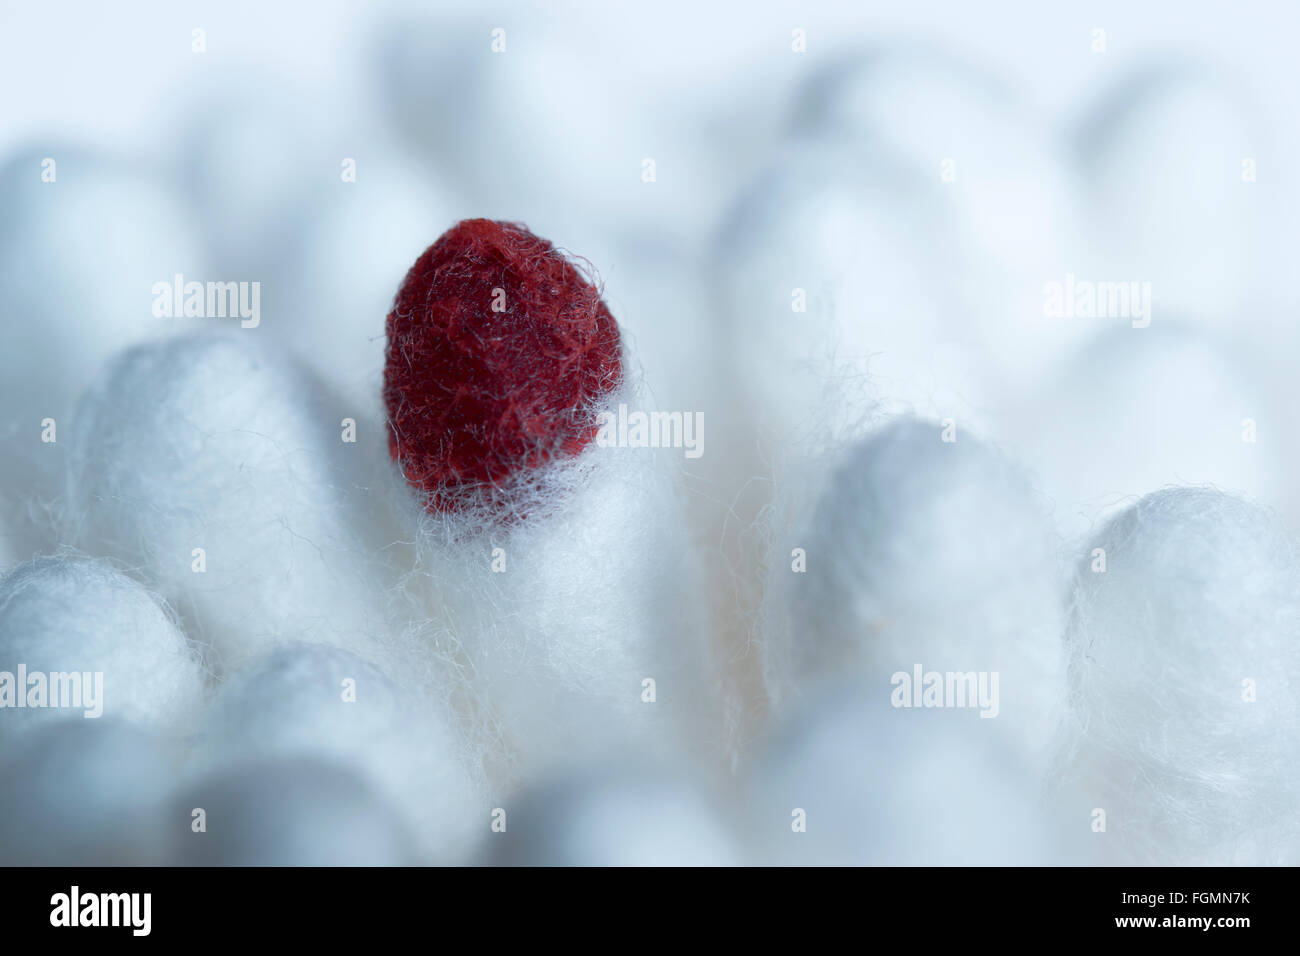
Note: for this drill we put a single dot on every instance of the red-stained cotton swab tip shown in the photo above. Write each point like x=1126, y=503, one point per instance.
x=500, y=352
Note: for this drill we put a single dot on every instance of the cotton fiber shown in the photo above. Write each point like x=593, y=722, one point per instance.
x=219, y=470
x=827, y=316
x=84, y=621
x=922, y=552
x=85, y=238
x=1184, y=675
x=590, y=634
x=319, y=701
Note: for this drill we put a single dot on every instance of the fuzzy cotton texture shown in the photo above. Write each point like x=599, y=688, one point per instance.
x=320, y=701
x=70, y=615
x=79, y=254
x=215, y=467
x=921, y=551
x=1184, y=680
x=498, y=350
x=577, y=624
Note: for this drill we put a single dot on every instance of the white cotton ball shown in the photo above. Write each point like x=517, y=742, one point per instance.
x=921, y=552
x=891, y=260
x=1139, y=409
x=81, y=254
x=1163, y=157
x=872, y=785
x=285, y=812
x=590, y=634
x=217, y=468
x=1184, y=675
x=327, y=703
x=611, y=819
x=671, y=329
x=838, y=284
x=70, y=616
x=83, y=793
x=362, y=237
